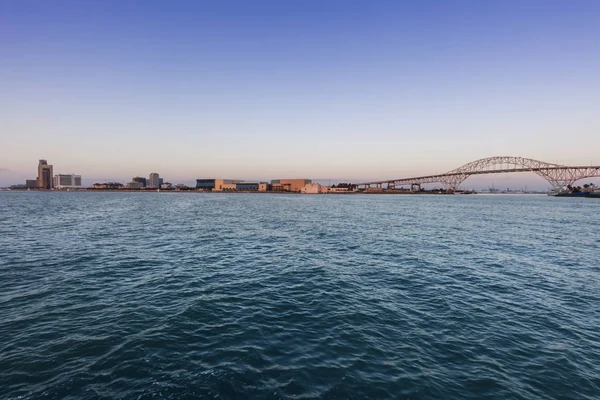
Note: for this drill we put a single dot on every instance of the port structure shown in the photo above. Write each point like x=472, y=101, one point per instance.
x=557, y=175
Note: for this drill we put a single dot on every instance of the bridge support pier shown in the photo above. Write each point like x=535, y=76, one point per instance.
x=415, y=185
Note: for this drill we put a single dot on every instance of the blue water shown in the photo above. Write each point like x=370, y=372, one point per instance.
x=235, y=296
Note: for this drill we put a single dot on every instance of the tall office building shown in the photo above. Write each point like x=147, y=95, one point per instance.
x=154, y=181
x=44, y=178
x=140, y=180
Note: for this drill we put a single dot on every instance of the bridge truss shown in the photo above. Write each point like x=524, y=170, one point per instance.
x=557, y=175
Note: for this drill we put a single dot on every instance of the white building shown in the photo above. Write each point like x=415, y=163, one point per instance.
x=67, y=181
x=313, y=188
x=153, y=181
x=338, y=190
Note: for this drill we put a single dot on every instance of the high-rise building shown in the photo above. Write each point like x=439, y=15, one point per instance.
x=44, y=178
x=139, y=179
x=67, y=181
x=153, y=181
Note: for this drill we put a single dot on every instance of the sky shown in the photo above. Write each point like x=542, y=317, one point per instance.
x=343, y=90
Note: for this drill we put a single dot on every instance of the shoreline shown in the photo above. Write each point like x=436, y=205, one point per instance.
x=408, y=193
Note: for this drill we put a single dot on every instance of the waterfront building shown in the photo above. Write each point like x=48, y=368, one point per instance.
x=31, y=183
x=139, y=179
x=205, y=184
x=67, y=181
x=247, y=186
x=339, y=189
x=135, y=185
x=153, y=181
x=108, y=185
x=217, y=185
x=220, y=184
x=289, y=185
x=44, y=178
x=314, y=188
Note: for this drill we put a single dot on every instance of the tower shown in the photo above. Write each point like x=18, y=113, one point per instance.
x=45, y=175
x=153, y=181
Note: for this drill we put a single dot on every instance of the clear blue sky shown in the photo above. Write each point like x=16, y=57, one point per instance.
x=316, y=89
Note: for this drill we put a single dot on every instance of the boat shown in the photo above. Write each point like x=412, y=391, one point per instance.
x=565, y=192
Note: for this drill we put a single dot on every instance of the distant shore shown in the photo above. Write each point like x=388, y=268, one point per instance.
x=385, y=192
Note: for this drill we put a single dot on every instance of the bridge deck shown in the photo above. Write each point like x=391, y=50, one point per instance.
x=583, y=170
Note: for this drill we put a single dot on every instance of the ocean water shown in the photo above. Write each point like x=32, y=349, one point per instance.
x=239, y=296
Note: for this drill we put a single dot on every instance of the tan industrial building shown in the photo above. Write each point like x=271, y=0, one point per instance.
x=225, y=184
x=289, y=185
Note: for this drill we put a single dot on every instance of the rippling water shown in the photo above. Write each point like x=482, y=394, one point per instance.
x=143, y=295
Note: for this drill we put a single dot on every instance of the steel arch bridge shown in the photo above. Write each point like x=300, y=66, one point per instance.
x=557, y=175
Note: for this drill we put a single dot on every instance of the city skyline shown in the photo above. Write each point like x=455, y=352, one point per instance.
x=501, y=167
x=336, y=90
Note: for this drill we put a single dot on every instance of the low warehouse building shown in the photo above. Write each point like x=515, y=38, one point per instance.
x=289, y=185
x=247, y=186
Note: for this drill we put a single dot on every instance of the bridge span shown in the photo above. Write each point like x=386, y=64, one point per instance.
x=557, y=175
